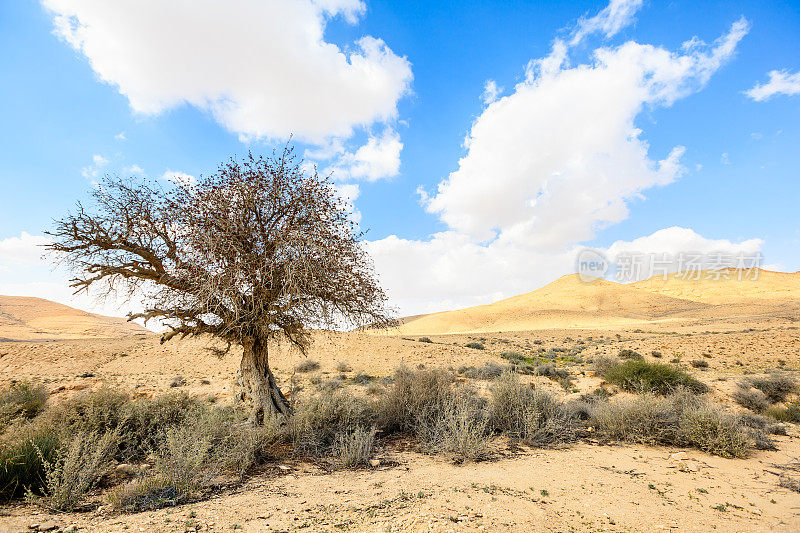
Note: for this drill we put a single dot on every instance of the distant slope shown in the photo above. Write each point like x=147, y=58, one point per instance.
x=733, y=287
x=567, y=302
x=24, y=318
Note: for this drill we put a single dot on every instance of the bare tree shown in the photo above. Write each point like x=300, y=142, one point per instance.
x=260, y=249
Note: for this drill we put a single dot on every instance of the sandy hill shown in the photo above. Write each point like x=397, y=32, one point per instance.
x=567, y=302
x=729, y=286
x=24, y=318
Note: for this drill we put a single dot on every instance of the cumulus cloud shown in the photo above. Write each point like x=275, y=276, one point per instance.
x=23, y=250
x=780, y=82
x=547, y=166
x=676, y=240
x=377, y=159
x=263, y=69
x=672, y=249
x=561, y=155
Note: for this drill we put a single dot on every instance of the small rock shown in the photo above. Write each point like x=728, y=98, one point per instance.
x=71, y=529
x=50, y=525
x=375, y=462
x=33, y=527
x=679, y=456
x=689, y=466
x=86, y=375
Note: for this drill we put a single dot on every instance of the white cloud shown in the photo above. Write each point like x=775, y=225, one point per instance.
x=92, y=172
x=561, y=155
x=780, y=82
x=490, y=92
x=610, y=21
x=179, y=178
x=23, y=250
x=725, y=159
x=546, y=166
x=677, y=240
x=120, y=136
x=377, y=159
x=134, y=169
x=262, y=68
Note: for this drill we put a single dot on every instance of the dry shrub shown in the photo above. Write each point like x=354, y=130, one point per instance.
x=319, y=419
x=627, y=353
x=603, y=364
x=529, y=414
x=145, y=494
x=23, y=399
x=488, y=371
x=354, y=448
x=140, y=424
x=680, y=419
x=308, y=365
x=787, y=413
x=341, y=366
x=76, y=469
x=776, y=385
x=751, y=398
x=412, y=392
x=457, y=427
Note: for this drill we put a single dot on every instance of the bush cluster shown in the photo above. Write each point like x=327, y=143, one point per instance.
x=178, y=446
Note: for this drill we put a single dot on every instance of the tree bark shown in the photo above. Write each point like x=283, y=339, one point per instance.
x=258, y=384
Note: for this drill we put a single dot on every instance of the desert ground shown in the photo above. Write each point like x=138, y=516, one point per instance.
x=735, y=330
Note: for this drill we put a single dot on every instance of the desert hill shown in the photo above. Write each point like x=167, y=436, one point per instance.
x=728, y=286
x=25, y=318
x=567, y=302
x=570, y=302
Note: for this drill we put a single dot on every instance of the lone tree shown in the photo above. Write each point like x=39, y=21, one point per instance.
x=260, y=249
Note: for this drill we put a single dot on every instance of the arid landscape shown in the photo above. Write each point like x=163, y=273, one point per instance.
x=721, y=332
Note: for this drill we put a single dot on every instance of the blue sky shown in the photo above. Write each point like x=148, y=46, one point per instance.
x=613, y=125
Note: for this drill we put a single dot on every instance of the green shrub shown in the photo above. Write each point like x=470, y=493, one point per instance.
x=23, y=399
x=475, y=345
x=641, y=376
x=698, y=363
x=308, y=365
x=529, y=414
x=23, y=451
x=76, y=469
x=354, y=448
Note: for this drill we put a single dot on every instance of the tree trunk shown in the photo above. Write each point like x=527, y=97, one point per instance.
x=258, y=383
